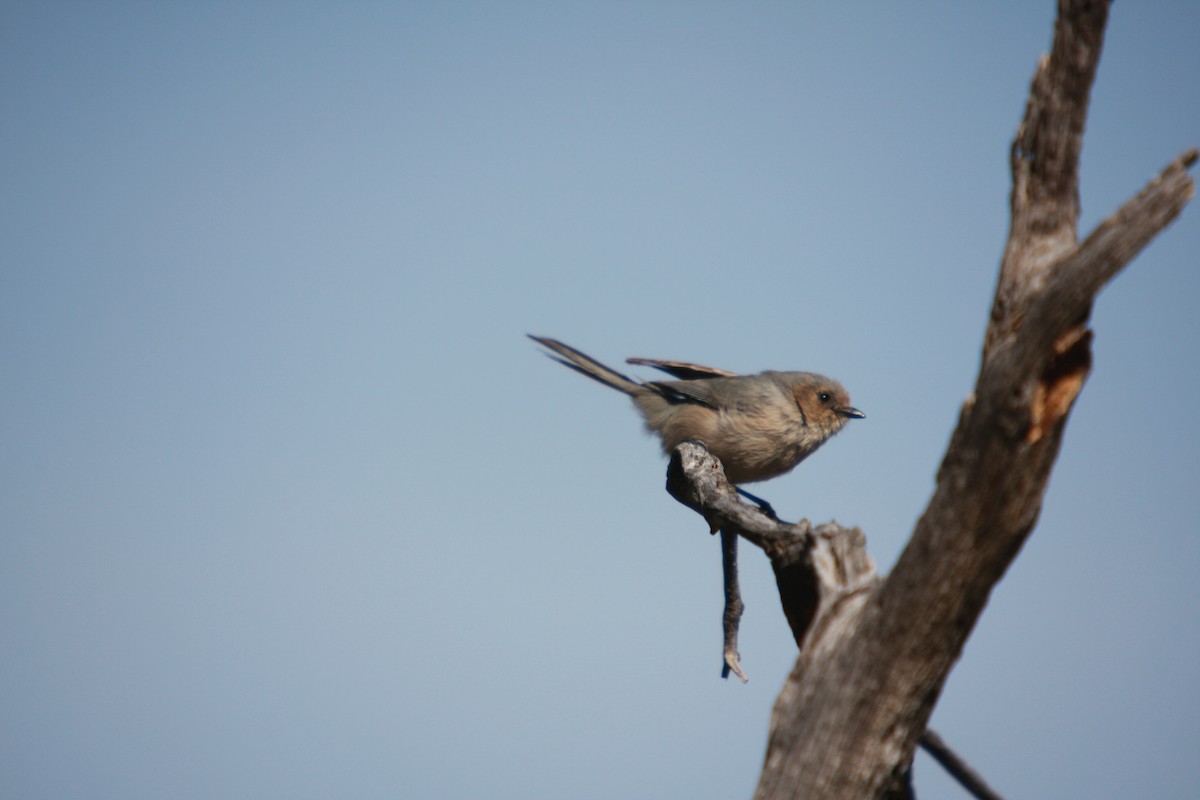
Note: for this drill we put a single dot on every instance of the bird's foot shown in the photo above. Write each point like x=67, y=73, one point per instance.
x=762, y=505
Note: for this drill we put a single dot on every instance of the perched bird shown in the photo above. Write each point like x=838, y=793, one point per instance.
x=760, y=426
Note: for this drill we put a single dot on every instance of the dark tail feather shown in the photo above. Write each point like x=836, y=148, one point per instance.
x=586, y=365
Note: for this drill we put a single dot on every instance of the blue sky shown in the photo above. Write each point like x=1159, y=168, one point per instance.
x=292, y=508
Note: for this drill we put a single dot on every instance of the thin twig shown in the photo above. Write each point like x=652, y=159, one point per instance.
x=960, y=770
x=732, y=617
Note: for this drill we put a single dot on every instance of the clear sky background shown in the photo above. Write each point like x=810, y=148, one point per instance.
x=290, y=507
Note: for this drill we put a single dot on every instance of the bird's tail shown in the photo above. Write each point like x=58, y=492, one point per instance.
x=586, y=365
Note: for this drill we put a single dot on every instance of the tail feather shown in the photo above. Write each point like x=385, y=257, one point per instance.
x=586, y=365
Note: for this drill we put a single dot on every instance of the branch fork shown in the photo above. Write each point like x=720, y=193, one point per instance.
x=876, y=652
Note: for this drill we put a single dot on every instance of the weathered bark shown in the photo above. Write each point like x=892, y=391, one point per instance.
x=875, y=653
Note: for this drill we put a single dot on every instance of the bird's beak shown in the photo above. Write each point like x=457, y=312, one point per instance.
x=852, y=413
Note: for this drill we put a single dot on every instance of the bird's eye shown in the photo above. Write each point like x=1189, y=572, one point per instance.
x=824, y=396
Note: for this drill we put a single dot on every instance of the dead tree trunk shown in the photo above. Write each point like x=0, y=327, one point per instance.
x=875, y=653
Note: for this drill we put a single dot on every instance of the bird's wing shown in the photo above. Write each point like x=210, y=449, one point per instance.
x=690, y=391
x=684, y=370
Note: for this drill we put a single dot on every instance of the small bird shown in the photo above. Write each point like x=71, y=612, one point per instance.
x=760, y=426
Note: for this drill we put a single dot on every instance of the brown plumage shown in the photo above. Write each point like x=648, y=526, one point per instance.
x=760, y=426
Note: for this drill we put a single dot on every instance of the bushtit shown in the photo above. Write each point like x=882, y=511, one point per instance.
x=760, y=426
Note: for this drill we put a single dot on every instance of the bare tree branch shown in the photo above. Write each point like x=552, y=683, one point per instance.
x=874, y=655
x=734, y=606
x=960, y=769
x=816, y=569
x=823, y=575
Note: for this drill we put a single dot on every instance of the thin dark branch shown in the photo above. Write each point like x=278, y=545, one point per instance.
x=959, y=769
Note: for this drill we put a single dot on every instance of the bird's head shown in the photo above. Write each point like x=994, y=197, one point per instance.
x=823, y=402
